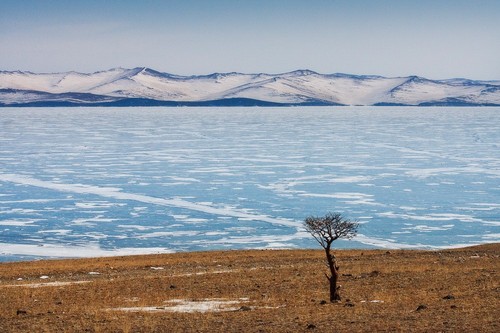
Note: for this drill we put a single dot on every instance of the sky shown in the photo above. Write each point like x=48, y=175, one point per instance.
x=436, y=39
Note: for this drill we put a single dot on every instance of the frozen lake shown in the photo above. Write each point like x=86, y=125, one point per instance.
x=104, y=181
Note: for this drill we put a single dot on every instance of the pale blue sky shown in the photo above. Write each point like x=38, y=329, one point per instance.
x=436, y=39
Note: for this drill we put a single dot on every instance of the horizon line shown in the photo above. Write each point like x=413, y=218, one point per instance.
x=305, y=70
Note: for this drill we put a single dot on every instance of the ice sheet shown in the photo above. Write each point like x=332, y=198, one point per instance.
x=103, y=181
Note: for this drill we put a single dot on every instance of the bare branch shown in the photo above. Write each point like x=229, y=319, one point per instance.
x=330, y=227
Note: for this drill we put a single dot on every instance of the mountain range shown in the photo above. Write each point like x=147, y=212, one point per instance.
x=146, y=87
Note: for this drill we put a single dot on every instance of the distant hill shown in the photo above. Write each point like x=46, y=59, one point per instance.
x=146, y=87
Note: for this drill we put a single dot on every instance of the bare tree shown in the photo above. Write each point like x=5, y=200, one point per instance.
x=326, y=229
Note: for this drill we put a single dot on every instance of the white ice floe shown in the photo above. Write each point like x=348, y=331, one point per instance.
x=61, y=251
x=19, y=222
x=493, y=237
x=430, y=172
x=96, y=219
x=58, y=232
x=387, y=243
x=348, y=197
x=215, y=233
x=137, y=227
x=259, y=239
x=167, y=234
x=98, y=204
x=278, y=245
x=392, y=244
x=185, y=179
x=426, y=228
x=32, y=200
x=436, y=217
x=195, y=220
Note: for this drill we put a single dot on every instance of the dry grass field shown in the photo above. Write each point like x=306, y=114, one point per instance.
x=256, y=291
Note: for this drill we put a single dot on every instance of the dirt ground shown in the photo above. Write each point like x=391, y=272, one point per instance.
x=256, y=291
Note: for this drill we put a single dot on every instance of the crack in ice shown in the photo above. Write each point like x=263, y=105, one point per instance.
x=115, y=193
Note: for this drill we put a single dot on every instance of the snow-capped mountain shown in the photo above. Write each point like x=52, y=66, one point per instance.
x=144, y=86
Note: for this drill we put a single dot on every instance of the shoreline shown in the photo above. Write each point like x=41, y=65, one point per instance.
x=130, y=252
x=138, y=254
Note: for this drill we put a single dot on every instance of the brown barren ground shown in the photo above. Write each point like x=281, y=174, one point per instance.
x=258, y=291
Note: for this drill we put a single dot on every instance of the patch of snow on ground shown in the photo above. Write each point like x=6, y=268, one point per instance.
x=46, y=284
x=189, y=306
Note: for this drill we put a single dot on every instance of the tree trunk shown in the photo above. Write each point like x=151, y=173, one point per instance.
x=334, y=275
x=334, y=290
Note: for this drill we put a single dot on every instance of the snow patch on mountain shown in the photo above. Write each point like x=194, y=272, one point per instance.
x=142, y=84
